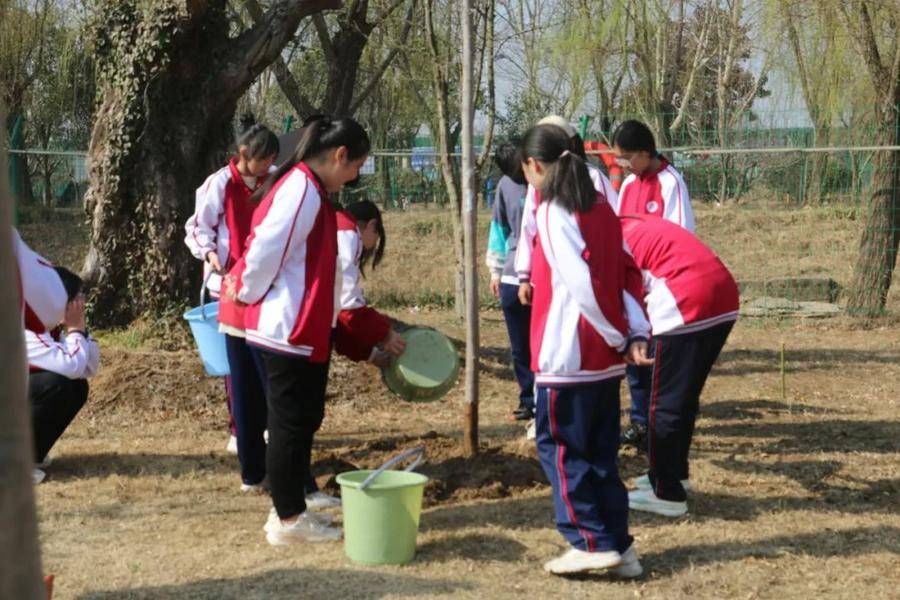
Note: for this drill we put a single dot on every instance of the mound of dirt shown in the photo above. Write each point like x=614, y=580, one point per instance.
x=496, y=472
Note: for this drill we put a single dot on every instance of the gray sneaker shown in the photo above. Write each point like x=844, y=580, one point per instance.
x=273, y=522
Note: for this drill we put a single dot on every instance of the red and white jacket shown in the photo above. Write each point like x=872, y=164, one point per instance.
x=221, y=220
x=288, y=275
x=76, y=356
x=528, y=232
x=360, y=328
x=660, y=193
x=42, y=296
x=686, y=285
x=585, y=305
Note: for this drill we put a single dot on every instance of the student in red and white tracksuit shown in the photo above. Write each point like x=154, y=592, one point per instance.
x=43, y=296
x=652, y=188
x=287, y=287
x=363, y=334
x=216, y=234
x=585, y=316
x=528, y=230
x=693, y=303
x=60, y=361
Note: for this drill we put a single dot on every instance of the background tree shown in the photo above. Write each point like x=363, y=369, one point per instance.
x=170, y=75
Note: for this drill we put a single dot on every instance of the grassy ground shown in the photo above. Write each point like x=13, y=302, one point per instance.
x=796, y=497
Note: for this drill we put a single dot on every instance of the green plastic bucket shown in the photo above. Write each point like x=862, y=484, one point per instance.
x=381, y=515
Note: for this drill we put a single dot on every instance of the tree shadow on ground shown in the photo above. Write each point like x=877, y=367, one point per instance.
x=758, y=409
x=839, y=435
x=824, y=544
x=296, y=583
x=141, y=464
x=743, y=361
x=486, y=547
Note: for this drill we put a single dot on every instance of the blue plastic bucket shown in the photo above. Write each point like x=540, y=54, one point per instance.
x=204, y=324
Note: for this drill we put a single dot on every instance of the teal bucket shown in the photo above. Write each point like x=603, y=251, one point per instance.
x=381, y=512
x=210, y=341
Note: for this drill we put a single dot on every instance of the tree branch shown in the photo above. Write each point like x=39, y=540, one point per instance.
x=382, y=68
x=255, y=49
x=324, y=37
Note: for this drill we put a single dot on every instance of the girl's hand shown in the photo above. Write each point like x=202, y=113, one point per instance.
x=495, y=287
x=636, y=354
x=381, y=359
x=74, y=317
x=525, y=290
x=213, y=259
x=229, y=289
x=394, y=344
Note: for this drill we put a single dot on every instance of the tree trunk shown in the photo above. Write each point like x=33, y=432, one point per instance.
x=880, y=236
x=170, y=78
x=20, y=552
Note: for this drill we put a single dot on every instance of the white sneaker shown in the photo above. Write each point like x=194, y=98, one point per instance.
x=48, y=460
x=37, y=476
x=321, y=501
x=531, y=430
x=630, y=567
x=273, y=522
x=307, y=528
x=579, y=561
x=646, y=500
x=643, y=483
x=231, y=446
x=255, y=488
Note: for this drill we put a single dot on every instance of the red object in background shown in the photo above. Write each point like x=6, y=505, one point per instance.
x=48, y=583
x=616, y=173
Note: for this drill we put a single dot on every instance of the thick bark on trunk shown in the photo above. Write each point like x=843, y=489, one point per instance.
x=880, y=236
x=170, y=81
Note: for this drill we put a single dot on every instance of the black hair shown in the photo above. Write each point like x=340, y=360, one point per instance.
x=577, y=146
x=567, y=181
x=318, y=134
x=634, y=136
x=260, y=141
x=71, y=282
x=364, y=211
x=508, y=158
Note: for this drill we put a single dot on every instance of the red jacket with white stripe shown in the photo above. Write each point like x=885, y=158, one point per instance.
x=221, y=220
x=660, y=193
x=359, y=328
x=584, y=304
x=686, y=285
x=288, y=275
x=75, y=356
x=43, y=298
x=528, y=231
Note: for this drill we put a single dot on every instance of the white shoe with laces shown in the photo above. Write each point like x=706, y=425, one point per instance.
x=231, y=446
x=630, y=568
x=579, y=561
x=255, y=488
x=273, y=522
x=307, y=528
x=321, y=501
x=647, y=501
x=37, y=476
x=643, y=483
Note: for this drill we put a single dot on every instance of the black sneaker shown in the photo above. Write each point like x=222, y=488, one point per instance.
x=635, y=435
x=523, y=413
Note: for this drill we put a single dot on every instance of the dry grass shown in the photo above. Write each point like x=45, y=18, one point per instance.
x=795, y=497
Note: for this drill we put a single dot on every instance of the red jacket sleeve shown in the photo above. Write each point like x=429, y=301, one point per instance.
x=358, y=332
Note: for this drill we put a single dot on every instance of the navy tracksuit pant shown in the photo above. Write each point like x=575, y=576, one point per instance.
x=578, y=445
x=518, y=323
x=682, y=364
x=248, y=407
x=639, y=385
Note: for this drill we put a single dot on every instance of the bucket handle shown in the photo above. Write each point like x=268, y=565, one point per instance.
x=203, y=293
x=418, y=452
